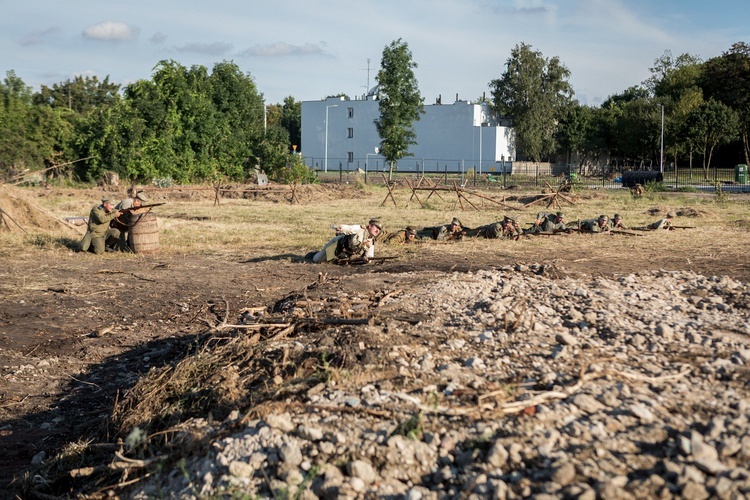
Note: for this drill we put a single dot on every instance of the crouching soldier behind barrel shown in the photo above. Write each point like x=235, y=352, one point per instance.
x=351, y=241
x=99, y=233
x=129, y=217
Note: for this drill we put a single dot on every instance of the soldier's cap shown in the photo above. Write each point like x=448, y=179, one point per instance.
x=671, y=214
x=107, y=199
x=617, y=217
x=602, y=217
x=377, y=223
x=411, y=230
x=560, y=215
x=456, y=222
x=141, y=196
x=509, y=218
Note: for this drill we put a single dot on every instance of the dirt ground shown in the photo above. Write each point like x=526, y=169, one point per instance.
x=78, y=330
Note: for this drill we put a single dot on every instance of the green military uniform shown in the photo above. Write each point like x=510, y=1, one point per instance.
x=408, y=235
x=665, y=223
x=616, y=222
x=98, y=231
x=449, y=232
x=504, y=229
x=554, y=223
x=595, y=225
x=128, y=218
x=541, y=218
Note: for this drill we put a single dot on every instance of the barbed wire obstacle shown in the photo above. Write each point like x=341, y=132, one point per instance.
x=555, y=196
x=462, y=194
x=220, y=190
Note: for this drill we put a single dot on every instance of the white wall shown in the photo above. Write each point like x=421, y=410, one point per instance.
x=448, y=137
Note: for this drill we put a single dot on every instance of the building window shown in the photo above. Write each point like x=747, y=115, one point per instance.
x=350, y=132
x=351, y=112
x=350, y=157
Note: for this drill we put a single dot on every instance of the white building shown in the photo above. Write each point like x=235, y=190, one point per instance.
x=340, y=134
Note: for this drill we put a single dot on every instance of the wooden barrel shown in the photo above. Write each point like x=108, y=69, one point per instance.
x=144, y=236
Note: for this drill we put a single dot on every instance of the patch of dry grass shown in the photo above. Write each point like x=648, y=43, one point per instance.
x=247, y=228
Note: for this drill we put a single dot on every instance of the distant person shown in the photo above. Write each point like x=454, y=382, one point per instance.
x=507, y=228
x=449, y=232
x=665, y=223
x=99, y=234
x=351, y=241
x=408, y=235
x=616, y=222
x=598, y=225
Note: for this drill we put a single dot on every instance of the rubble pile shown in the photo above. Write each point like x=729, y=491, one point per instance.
x=513, y=384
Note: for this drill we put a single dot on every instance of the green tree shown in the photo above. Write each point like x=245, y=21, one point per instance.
x=535, y=93
x=291, y=120
x=710, y=125
x=239, y=128
x=31, y=137
x=727, y=79
x=400, y=102
x=82, y=94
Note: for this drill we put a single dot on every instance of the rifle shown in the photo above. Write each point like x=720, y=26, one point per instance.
x=142, y=206
x=123, y=226
x=359, y=261
x=543, y=233
x=627, y=233
x=681, y=227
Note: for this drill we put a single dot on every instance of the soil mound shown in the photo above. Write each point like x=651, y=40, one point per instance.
x=19, y=214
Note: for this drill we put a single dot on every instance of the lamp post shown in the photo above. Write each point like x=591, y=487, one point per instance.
x=480, y=148
x=661, y=157
x=367, y=157
x=325, y=161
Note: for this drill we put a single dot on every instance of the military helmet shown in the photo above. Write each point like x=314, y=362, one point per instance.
x=377, y=223
x=671, y=214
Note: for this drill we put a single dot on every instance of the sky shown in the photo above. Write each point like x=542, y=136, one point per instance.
x=310, y=49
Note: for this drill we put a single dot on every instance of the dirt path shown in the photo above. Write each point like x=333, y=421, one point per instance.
x=77, y=330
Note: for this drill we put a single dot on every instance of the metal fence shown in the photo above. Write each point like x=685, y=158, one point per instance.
x=533, y=176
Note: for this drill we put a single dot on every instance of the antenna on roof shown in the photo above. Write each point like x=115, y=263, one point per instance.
x=367, y=87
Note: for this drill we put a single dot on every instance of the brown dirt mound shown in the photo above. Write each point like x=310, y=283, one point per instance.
x=19, y=214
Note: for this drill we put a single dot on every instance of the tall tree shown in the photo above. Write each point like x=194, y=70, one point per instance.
x=291, y=120
x=712, y=124
x=727, y=79
x=400, y=102
x=535, y=93
x=82, y=94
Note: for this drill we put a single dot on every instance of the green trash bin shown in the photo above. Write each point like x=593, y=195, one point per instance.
x=740, y=174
